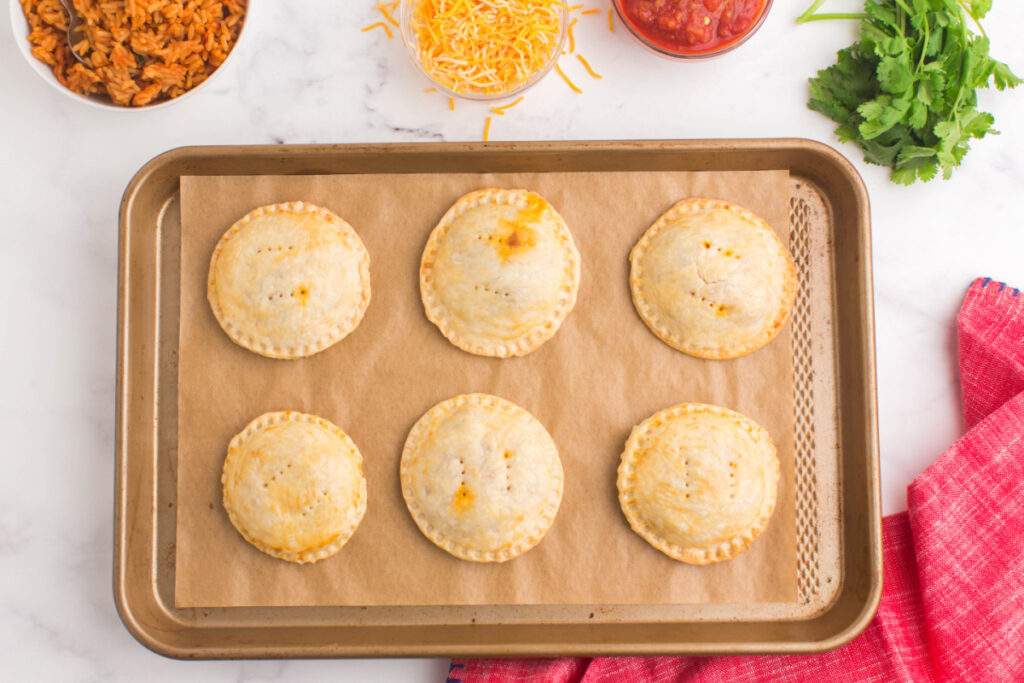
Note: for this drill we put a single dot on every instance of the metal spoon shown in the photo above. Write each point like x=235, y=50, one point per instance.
x=76, y=34
x=75, y=31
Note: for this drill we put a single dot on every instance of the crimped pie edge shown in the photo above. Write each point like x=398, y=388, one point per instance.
x=234, y=448
x=724, y=550
x=419, y=433
x=334, y=336
x=436, y=311
x=649, y=315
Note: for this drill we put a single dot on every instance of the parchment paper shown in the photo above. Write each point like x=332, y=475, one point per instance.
x=600, y=375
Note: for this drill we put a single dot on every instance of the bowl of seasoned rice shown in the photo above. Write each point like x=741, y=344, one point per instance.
x=137, y=54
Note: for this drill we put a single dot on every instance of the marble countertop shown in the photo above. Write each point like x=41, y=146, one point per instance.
x=306, y=74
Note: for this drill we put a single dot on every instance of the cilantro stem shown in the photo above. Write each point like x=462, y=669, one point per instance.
x=810, y=14
x=924, y=43
x=810, y=11
x=830, y=16
x=965, y=68
x=904, y=7
x=977, y=23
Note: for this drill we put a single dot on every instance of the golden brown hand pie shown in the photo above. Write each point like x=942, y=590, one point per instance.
x=481, y=477
x=698, y=482
x=712, y=280
x=289, y=280
x=499, y=273
x=294, y=486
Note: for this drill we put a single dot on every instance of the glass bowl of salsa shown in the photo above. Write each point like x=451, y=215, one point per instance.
x=692, y=29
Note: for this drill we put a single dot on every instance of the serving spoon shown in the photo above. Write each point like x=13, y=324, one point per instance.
x=75, y=32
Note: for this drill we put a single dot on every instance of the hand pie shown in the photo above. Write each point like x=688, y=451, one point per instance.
x=481, y=477
x=698, y=482
x=499, y=273
x=712, y=280
x=294, y=486
x=289, y=280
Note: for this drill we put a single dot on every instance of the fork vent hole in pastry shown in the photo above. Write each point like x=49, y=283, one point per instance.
x=293, y=486
x=481, y=478
x=698, y=482
x=499, y=273
x=289, y=280
x=712, y=279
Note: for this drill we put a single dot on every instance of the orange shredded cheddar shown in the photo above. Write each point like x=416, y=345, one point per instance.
x=386, y=12
x=487, y=129
x=451, y=104
x=590, y=69
x=573, y=8
x=485, y=47
x=587, y=12
x=430, y=89
x=379, y=24
x=565, y=78
x=572, y=38
x=500, y=111
x=611, y=20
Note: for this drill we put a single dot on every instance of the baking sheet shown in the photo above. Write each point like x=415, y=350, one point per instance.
x=602, y=373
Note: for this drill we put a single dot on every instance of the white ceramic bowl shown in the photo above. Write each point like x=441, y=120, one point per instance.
x=19, y=26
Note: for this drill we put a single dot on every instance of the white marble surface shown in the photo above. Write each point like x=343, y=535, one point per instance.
x=306, y=74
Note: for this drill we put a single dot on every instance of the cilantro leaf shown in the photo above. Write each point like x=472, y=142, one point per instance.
x=918, y=114
x=976, y=124
x=911, y=152
x=894, y=74
x=927, y=171
x=1004, y=78
x=881, y=12
x=882, y=114
x=904, y=176
x=979, y=8
x=873, y=109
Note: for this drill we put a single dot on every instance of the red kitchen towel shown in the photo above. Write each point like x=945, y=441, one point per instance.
x=952, y=605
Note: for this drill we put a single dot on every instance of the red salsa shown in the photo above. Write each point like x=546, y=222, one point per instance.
x=692, y=26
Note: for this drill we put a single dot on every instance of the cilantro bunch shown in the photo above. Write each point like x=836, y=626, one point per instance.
x=906, y=92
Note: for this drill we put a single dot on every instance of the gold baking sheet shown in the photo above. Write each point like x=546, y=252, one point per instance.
x=836, y=457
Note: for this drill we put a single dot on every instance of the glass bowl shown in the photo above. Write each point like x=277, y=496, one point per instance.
x=689, y=56
x=409, y=38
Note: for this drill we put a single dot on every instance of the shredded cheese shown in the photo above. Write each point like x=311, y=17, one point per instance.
x=572, y=38
x=485, y=47
x=385, y=10
x=590, y=69
x=379, y=24
x=588, y=12
x=573, y=8
x=500, y=111
x=431, y=89
x=487, y=129
x=569, y=83
x=451, y=104
x=611, y=21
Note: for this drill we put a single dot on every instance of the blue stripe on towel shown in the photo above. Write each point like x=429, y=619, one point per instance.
x=451, y=670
